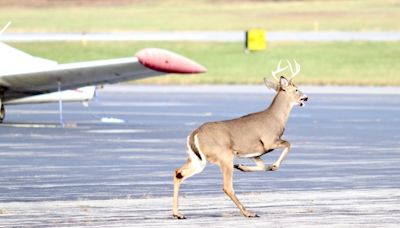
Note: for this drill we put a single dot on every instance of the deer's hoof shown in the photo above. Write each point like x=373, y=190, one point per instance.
x=273, y=168
x=179, y=216
x=249, y=214
x=238, y=166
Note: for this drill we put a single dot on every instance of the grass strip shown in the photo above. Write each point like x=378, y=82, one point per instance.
x=323, y=63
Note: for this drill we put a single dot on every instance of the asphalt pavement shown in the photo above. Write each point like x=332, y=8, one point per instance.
x=344, y=162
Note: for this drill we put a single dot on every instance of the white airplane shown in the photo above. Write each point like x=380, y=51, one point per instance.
x=26, y=79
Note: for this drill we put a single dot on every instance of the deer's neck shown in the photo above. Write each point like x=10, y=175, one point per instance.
x=280, y=108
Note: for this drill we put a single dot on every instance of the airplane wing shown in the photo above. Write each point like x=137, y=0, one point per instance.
x=39, y=76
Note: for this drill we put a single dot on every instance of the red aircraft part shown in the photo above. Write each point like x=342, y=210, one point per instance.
x=168, y=62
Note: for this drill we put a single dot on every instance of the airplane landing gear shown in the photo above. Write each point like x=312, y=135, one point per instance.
x=2, y=113
x=2, y=109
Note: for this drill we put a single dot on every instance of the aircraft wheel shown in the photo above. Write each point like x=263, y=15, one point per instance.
x=2, y=113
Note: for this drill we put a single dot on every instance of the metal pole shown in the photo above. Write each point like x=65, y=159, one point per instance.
x=60, y=104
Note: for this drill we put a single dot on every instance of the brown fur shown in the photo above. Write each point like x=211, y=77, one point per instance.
x=248, y=136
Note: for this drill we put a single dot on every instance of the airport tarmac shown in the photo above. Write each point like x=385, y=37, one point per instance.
x=343, y=169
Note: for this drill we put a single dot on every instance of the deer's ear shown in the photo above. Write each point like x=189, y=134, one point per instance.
x=271, y=84
x=283, y=82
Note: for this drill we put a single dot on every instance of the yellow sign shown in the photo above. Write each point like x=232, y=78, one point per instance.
x=255, y=40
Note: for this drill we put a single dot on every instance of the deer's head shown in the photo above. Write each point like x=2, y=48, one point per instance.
x=286, y=86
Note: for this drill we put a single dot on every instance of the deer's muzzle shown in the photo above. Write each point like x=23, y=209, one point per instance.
x=303, y=99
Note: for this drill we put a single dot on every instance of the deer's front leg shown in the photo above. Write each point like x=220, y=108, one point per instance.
x=286, y=147
x=260, y=166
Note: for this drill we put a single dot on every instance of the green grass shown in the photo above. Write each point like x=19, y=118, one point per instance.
x=355, y=15
x=338, y=63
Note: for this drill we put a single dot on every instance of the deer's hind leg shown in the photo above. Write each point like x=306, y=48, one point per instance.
x=190, y=168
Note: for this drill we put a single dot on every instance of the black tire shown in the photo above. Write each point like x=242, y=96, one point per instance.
x=2, y=113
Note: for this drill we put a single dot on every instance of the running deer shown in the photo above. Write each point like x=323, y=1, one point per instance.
x=249, y=136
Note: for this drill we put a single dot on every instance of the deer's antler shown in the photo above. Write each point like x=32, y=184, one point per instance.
x=278, y=70
x=296, y=71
